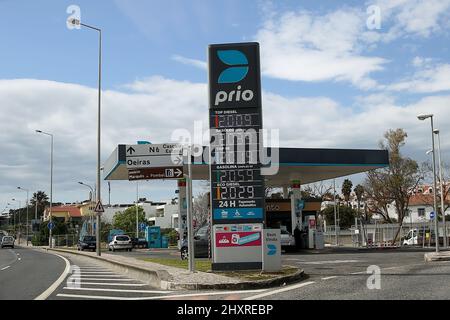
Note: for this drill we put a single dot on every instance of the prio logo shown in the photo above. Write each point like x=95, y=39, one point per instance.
x=239, y=64
x=237, y=72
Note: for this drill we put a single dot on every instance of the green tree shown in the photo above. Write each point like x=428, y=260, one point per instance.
x=126, y=220
x=346, y=214
x=394, y=184
x=347, y=186
x=41, y=200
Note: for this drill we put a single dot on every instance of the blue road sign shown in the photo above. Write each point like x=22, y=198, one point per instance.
x=142, y=226
x=51, y=225
x=432, y=215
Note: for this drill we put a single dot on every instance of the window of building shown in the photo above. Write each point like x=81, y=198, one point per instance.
x=421, y=212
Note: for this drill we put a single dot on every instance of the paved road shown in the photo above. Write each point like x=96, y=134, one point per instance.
x=26, y=273
x=332, y=275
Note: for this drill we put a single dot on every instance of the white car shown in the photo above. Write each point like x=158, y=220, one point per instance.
x=287, y=240
x=7, y=241
x=120, y=242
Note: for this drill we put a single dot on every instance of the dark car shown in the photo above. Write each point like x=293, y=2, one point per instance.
x=201, y=244
x=87, y=243
x=139, y=243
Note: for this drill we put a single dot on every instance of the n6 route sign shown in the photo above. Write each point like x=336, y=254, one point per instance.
x=154, y=156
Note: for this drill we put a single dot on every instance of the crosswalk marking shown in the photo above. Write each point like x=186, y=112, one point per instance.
x=115, y=284
x=118, y=290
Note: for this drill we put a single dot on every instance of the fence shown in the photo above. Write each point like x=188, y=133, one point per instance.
x=382, y=235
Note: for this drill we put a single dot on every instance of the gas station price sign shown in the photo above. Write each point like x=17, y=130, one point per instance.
x=237, y=188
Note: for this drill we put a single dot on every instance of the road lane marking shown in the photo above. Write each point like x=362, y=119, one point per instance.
x=270, y=293
x=100, y=272
x=118, y=290
x=360, y=272
x=328, y=278
x=5, y=268
x=115, y=284
x=44, y=295
x=159, y=297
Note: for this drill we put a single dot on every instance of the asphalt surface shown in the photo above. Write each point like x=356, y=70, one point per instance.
x=26, y=273
x=332, y=274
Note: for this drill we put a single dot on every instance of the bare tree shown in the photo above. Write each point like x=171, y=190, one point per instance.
x=201, y=209
x=394, y=184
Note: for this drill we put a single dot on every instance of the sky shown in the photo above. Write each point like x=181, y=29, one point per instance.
x=335, y=74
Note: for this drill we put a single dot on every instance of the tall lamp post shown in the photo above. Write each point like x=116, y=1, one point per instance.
x=90, y=200
x=27, y=225
x=442, y=187
x=77, y=22
x=18, y=209
x=50, y=238
x=436, y=225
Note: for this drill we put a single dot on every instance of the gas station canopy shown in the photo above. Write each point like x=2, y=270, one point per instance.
x=306, y=165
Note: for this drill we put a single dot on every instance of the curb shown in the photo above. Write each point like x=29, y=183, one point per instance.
x=433, y=256
x=162, y=278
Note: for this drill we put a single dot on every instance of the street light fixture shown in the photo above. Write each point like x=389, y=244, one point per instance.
x=90, y=209
x=27, y=224
x=436, y=225
x=77, y=22
x=50, y=238
x=442, y=187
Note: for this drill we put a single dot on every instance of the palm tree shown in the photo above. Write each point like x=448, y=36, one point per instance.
x=347, y=190
x=359, y=191
x=41, y=200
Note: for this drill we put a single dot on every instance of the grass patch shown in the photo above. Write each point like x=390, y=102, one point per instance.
x=205, y=266
x=200, y=265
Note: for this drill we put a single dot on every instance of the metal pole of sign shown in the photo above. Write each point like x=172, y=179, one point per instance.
x=191, y=254
x=442, y=187
x=137, y=210
x=334, y=203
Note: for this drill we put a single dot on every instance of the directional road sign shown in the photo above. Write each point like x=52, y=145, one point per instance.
x=155, y=173
x=432, y=215
x=154, y=155
x=138, y=150
x=50, y=225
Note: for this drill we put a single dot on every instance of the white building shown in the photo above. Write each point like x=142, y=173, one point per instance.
x=163, y=214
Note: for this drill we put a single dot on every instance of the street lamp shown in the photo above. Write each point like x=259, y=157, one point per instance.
x=18, y=209
x=436, y=225
x=77, y=22
x=27, y=224
x=50, y=238
x=442, y=186
x=90, y=209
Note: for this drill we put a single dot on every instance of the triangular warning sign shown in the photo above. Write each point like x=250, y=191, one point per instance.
x=99, y=207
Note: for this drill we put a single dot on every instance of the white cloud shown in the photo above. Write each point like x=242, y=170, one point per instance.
x=413, y=17
x=301, y=46
x=190, y=62
x=153, y=109
x=427, y=79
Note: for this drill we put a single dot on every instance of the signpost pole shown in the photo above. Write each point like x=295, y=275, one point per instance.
x=189, y=213
x=137, y=210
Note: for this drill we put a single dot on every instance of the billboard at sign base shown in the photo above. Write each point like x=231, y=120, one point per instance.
x=234, y=243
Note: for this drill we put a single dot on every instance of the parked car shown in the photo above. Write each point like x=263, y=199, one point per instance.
x=139, y=243
x=7, y=241
x=416, y=237
x=120, y=242
x=201, y=244
x=287, y=240
x=87, y=243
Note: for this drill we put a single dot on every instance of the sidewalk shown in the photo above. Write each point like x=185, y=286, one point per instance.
x=437, y=256
x=172, y=278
